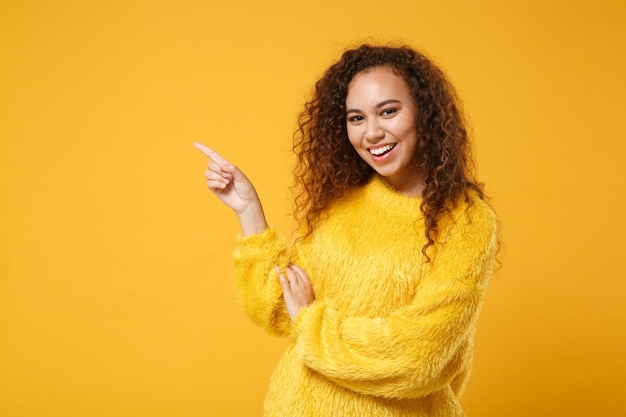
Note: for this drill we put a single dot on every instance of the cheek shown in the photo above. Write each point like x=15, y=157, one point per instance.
x=353, y=136
x=406, y=132
x=403, y=127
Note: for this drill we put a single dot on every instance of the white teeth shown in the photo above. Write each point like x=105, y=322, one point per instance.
x=381, y=150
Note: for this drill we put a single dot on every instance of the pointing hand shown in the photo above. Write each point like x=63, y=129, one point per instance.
x=227, y=182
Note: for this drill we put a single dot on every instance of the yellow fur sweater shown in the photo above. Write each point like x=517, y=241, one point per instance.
x=388, y=334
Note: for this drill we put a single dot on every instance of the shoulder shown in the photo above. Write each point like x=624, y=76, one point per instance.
x=471, y=208
x=472, y=222
x=467, y=241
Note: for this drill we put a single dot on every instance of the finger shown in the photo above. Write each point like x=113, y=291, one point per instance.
x=216, y=177
x=218, y=168
x=293, y=278
x=216, y=185
x=210, y=153
x=300, y=273
x=283, y=281
x=233, y=172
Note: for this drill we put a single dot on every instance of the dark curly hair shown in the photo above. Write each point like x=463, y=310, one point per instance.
x=327, y=164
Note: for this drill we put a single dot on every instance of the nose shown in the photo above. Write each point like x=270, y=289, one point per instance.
x=374, y=132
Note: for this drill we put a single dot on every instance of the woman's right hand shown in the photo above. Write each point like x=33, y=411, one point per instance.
x=235, y=190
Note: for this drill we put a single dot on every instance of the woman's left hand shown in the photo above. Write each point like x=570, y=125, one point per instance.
x=297, y=290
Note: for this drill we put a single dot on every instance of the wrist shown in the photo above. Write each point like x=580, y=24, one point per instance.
x=252, y=220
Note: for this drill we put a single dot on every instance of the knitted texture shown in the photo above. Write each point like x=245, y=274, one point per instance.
x=389, y=334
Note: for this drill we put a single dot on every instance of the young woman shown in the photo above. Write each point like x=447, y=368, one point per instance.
x=380, y=292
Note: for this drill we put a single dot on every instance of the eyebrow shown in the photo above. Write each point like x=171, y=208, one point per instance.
x=378, y=106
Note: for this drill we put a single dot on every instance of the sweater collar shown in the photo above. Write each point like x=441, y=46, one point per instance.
x=380, y=193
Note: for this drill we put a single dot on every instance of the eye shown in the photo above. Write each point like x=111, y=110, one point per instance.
x=355, y=119
x=389, y=111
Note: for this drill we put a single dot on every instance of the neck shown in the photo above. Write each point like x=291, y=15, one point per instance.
x=412, y=186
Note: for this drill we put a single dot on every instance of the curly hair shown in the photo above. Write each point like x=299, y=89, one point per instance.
x=327, y=165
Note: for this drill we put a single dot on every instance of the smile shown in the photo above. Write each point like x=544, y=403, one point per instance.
x=382, y=150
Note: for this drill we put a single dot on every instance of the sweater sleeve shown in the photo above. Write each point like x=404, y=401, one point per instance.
x=418, y=348
x=256, y=282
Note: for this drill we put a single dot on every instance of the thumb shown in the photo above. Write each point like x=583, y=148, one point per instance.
x=234, y=172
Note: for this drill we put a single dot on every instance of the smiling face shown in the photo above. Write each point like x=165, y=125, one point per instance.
x=381, y=124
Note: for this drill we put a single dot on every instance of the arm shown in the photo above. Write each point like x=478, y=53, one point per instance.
x=256, y=281
x=259, y=249
x=419, y=348
x=263, y=298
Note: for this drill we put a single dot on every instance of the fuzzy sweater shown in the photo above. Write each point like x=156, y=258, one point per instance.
x=388, y=334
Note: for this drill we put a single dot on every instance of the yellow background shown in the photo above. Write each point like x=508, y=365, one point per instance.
x=115, y=297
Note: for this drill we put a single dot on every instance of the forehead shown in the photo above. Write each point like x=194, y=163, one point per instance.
x=378, y=84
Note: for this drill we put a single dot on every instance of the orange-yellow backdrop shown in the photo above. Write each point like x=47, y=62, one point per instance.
x=115, y=297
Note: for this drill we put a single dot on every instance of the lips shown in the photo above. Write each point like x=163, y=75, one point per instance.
x=382, y=150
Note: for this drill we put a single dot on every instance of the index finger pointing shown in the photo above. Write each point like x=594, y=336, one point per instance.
x=210, y=153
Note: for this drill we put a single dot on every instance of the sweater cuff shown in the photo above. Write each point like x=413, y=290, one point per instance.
x=307, y=317
x=258, y=243
x=254, y=239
